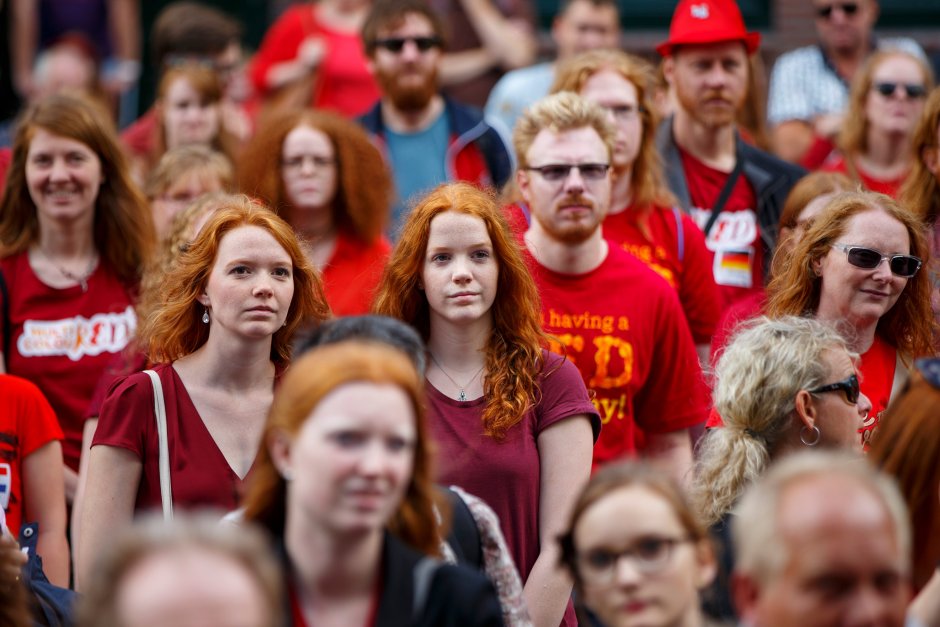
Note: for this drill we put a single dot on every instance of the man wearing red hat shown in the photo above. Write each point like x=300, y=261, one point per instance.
x=733, y=191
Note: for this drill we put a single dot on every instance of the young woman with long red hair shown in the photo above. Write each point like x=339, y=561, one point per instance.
x=513, y=422
x=220, y=336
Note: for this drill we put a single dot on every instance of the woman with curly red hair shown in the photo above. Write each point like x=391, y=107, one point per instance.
x=513, y=422
x=220, y=336
x=323, y=175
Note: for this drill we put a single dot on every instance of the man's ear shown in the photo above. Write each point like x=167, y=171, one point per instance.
x=932, y=160
x=669, y=69
x=707, y=563
x=522, y=182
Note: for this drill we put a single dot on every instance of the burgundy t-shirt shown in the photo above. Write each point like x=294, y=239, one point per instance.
x=62, y=339
x=506, y=473
x=200, y=474
x=737, y=249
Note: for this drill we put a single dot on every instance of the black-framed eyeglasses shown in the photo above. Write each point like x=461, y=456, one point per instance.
x=904, y=266
x=397, y=44
x=929, y=368
x=888, y=89
x=649, y=555
x=849, y=8
x=848, y=385
x=559, y=171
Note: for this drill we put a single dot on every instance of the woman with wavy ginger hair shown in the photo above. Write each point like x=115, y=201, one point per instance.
x=513, y=422
x=323, y=175
x=858, y=267
x=75, y=232
x=643, y=219
x=885, y=102
x=220, y=338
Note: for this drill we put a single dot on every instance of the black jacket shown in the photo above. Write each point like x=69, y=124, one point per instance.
x=457, y=597
x=770, y=177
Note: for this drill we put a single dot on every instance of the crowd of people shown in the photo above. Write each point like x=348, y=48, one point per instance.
x=352, y=349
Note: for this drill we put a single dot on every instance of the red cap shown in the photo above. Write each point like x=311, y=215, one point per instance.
x=707, y=22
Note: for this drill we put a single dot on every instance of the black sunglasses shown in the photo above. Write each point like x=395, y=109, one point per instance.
x=559, y=171
x=397, y=44
x=849, y=386
x=913, y=90
x=868, y=258
x=849, y=8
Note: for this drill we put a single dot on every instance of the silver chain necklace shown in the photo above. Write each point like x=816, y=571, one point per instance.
x=81, y=279
x=462, y=395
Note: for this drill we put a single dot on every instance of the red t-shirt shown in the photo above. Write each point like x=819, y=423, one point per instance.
x=622, y=326
x=891, y=187
x=6, y=155
x=27, y=423
x=686, y=270
x=140, y=138
x=743, y=310
x=63, y=339
x=877, y=378
x=506, y=474
x=343, y=81
x=201, y=476
x=737, y=251
x=353, y=273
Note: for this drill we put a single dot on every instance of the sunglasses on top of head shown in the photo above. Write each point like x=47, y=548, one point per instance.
x=849, y=8
x=888, y=89
x=397, y=44
x=904, y=266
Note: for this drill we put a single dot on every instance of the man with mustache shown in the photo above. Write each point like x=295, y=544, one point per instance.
x=616, y=319
x=734, y=191
x=427, y=138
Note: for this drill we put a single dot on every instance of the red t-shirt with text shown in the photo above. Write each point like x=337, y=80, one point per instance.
x=622, y=326
x=654, y=237
x=737, y=251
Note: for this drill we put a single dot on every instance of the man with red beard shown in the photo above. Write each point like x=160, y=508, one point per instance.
x=734, y=191
x=612, y=316
x=427, y=139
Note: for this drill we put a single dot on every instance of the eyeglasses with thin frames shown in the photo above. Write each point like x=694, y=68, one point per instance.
x=849, y=386
x=648, y=555
x=557, y=172
x=905, y=266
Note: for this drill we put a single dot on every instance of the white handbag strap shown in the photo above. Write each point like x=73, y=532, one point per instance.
x=159, y=410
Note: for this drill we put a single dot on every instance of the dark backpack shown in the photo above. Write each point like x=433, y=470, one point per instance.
x=51, y=605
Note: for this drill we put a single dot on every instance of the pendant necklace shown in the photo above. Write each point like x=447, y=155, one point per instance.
x=462, y=395
x=81, y=279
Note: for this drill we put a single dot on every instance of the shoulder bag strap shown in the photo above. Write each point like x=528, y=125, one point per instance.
x=159, y=410
x=680, y=234
x=725, y=193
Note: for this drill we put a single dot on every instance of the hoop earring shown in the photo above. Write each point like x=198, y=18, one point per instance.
x=815, y=441
x=205, y=316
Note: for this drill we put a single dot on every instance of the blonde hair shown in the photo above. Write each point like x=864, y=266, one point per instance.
x=564, y=111
x=757, y=379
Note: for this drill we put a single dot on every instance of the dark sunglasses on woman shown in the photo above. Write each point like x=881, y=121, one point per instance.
x=904, y=266
x=848, y=385
x=888, y=89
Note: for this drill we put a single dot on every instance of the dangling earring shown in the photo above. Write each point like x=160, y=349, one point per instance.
x=815, y=430
x=205, y=316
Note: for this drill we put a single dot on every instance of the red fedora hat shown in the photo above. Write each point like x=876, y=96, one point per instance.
x=707, y=22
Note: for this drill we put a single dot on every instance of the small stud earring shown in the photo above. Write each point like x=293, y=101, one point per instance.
x=205, y=316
